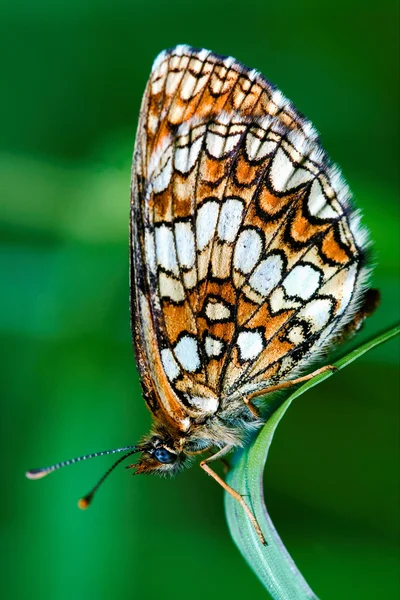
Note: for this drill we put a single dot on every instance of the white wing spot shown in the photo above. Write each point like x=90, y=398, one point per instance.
x=317, y=313
x=187, y=353
x=150, y=250
x=206, y=222
x=281, y=170
x=216, y=311
x=186, y=156
x=172, y=83
x=205, y=405
x=187, y=86
x=247, y=251
x=220, y=145
x=278, y=301
x=152, y=123
x=318, y=205
x=170, y=365
x=299, y=177
x=296, y=335
x=213, y=346
x=170, y=288
x=348, y=289
x=302, y=281
x=160, y=167
x=250, y=344
x=230, y=219
x=215, y=144
x=165, y=249
x=190, y=279
x=159, y=73
x=256, y=148
x=185, y=245
x=267, y=275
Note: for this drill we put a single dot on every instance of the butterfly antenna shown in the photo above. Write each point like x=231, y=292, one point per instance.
x=42, y=472
x=87, y=499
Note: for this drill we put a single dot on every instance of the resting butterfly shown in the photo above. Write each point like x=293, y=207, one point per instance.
x=247, y=257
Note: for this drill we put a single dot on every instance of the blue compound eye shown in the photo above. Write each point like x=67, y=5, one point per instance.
x=164, y=456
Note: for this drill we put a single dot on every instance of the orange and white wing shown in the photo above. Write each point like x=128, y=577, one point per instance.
x=246, y=254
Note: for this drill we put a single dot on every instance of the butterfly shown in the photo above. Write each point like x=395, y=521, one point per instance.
x=247, y=258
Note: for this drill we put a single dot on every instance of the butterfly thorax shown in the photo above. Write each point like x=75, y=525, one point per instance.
x=167, y=450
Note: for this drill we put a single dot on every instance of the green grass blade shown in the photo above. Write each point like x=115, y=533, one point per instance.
x=272, y=564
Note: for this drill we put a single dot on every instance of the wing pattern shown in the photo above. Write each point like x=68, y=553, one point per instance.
x=246, y=254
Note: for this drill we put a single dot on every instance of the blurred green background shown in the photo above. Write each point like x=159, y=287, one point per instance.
x=73, y=76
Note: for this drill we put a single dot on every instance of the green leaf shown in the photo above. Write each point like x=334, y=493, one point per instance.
x=272, y=563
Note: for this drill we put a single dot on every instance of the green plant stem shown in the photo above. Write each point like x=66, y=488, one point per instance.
x=272, y=563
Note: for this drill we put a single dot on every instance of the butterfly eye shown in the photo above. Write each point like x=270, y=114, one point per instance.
x=164, y=456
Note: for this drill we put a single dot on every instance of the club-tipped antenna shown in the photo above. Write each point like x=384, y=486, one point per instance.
x=86, y=500
x=42, y=472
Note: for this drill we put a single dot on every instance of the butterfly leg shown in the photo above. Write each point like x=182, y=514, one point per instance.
x=288, y=384
x=251, y=406
x=205, y=466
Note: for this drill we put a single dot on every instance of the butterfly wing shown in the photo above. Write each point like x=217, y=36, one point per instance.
x=246, y=255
